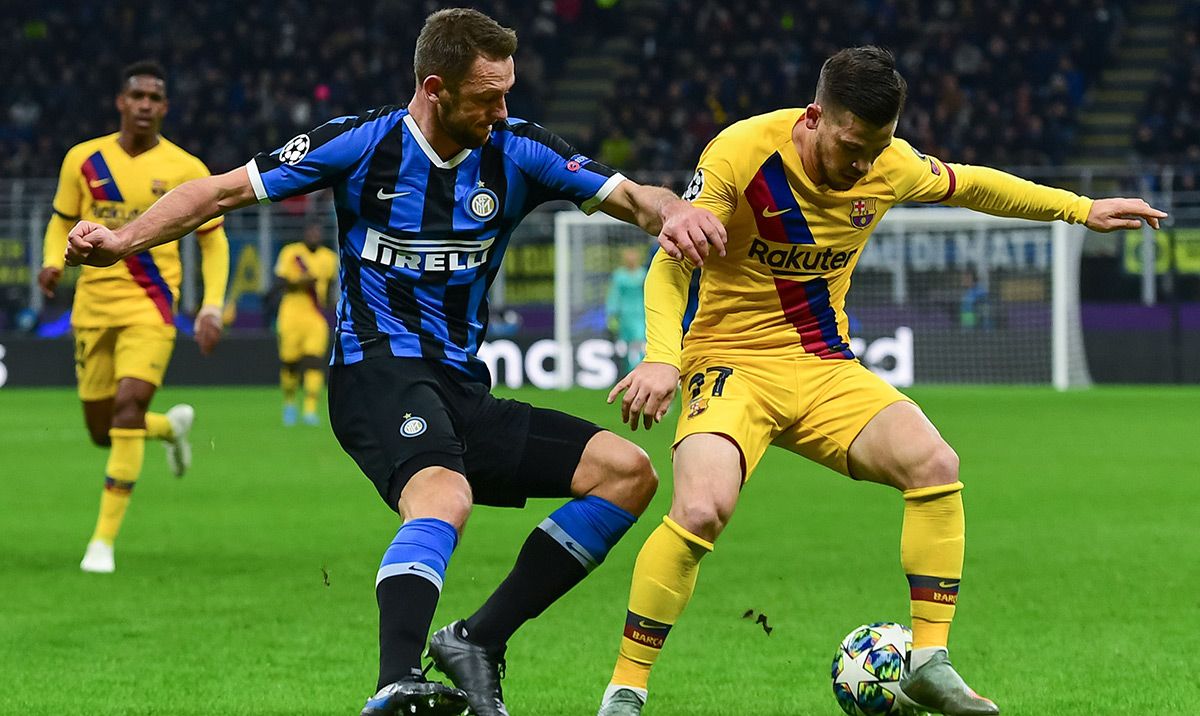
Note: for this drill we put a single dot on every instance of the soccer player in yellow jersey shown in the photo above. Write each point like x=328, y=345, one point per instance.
x=123, y=316
x=304, y=270
x=767, y=360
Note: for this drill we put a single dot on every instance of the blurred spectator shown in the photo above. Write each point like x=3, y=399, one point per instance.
x=993, y=81
x=245, y=75
x=1168, y=129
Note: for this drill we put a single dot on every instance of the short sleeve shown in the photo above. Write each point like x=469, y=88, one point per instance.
x=557, y=170
x=919, y=177
x=714, y=185
x=316, y=159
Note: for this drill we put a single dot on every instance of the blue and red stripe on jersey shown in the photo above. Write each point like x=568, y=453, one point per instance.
x=776, y=211
x=100, y=180
x=146, y=274
x=806, y=306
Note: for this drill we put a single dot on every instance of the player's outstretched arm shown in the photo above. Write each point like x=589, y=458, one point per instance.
x=177, y=214
x=683, y=230
x=999, y=193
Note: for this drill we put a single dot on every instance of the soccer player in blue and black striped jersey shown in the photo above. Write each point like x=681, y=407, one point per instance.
x=427, y=197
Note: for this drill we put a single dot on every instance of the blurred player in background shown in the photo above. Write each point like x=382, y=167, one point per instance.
x=427, y=197
x=625, y=310
x=124, y=315
x=767, y=360
x=304, y=271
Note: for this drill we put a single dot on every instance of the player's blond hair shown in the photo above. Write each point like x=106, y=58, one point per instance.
x=451, y=40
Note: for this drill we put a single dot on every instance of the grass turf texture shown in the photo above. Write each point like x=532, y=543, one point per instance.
x=246, y=587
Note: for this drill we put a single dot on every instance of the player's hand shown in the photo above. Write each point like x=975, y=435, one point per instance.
x=208, y=328
x=651, y=387
x=689, y=230
x=48, y=280
x=93, y=244
x=1114, y=214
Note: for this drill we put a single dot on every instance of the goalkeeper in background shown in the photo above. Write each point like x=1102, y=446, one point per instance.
x=624, y=308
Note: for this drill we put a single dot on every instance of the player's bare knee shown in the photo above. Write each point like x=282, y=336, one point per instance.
x=129, y=414
x=629, y=480
x=938, y=467
x=439, y=493
x=99, y=437
x=701, y=515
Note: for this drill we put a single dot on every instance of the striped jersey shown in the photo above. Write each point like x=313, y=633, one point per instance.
x=781, y=288
x=421, y=238
x=100, y=182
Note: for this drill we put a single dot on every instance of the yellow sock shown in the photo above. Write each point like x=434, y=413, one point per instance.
x=313, y=380
x=158, y=427
x=664, y=577
x=121, y=474
x=931, y=551
x=289, y=380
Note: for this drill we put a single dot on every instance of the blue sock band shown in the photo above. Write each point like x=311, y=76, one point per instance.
x=422, y=548
x=588, y=528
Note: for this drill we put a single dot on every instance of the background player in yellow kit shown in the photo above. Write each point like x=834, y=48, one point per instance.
x=767, y=359
x=305, y=270
x=123, y=315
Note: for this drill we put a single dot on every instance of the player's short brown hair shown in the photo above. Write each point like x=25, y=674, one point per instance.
x=865, y=81
x=451, y=40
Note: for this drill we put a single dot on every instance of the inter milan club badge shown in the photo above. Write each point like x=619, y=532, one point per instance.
x=862, y=213
x=412, y=426
x=482, y=203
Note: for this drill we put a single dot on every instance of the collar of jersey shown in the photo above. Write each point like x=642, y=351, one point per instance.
x=423, y=143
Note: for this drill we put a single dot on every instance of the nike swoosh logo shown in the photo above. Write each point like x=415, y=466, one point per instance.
x=421, y=570
x=767, y=213
x=96, y=183
x=384, y=196
x=950, y=585
x=643, y=624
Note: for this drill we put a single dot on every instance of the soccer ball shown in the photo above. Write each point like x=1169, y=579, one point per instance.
x=867, y=669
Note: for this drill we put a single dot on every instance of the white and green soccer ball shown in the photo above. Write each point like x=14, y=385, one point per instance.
x=868, y=667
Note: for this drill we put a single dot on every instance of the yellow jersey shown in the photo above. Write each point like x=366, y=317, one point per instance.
x=781, y=287
x=295, y=263
x=100, y=182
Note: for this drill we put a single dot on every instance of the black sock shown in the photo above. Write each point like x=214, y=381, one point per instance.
x=406, y=606
x=544, y=571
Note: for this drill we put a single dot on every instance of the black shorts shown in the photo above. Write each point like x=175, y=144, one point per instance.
x=398, y=416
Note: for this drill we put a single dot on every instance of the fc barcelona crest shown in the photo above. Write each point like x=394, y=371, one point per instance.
x=862, y=213
x=158, y=187
x=696, y=407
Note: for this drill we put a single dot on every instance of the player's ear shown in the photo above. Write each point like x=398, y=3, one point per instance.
x=432, y=86
x=812, y=115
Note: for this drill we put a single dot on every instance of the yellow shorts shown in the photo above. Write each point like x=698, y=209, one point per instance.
x=300, y=338
x=813, y=407
x=104, y=356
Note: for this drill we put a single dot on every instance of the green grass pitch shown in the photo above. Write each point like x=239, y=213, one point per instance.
x=247, y=586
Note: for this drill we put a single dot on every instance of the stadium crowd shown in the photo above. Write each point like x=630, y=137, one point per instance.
x=991, y=81
x=1168, y=129
x=995, y=81
x=244, y=76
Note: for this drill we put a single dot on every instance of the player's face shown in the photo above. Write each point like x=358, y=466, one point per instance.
x=847, y=147
x=142, y=104
x=468, y=112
